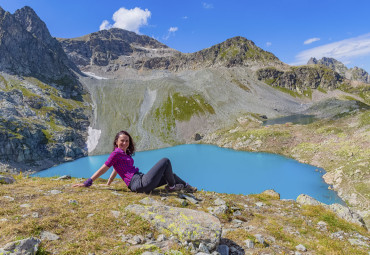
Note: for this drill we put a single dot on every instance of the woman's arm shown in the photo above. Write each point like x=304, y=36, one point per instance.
x=95, y=176
x=112, y=176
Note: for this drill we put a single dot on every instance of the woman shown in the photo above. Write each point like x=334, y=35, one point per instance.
x=123, y=164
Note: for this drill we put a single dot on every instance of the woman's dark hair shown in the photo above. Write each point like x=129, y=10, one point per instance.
x=131, y=147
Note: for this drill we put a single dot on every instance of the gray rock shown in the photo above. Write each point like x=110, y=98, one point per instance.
x=304, y=199
x=185, y=224
x=223, y=249
x=271, y=193
x=27, y=246
x=183, y=202
x=45, y=235
x=346, y=214
x=301, y=247
x=260, y=204
x=203, y=248
x=64, y=177
x=115, y=214
x=357, y=242
x=55, y=192
x=219, y=201
x=161, y=238
x=8, y=198
x=189, y=198
x=249, y=243
x=260, y=238
x=6, y=179
x=218, y=210
x=25, y=205
x=340, y=210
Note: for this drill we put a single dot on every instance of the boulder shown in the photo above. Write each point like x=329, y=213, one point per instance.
x=186, y=224
x=307, y=200
x=6, y=179
x=272, y=193
x=27, y=246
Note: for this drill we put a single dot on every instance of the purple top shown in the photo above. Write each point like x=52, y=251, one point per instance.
x=123, y=164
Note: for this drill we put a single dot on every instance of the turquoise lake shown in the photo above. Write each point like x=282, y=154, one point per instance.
x=212, y=168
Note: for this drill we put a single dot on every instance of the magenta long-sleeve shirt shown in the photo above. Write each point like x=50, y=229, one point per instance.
x=123, y=164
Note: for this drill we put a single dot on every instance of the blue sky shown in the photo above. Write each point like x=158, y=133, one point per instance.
x=293, y=30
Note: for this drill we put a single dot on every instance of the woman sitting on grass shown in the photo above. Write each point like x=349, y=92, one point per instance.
x=123, y=164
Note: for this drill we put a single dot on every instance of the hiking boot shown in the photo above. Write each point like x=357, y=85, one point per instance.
x=178, y=187
x=190, y=189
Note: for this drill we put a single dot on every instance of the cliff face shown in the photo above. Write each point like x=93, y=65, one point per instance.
x=355, y=74
x=301, y=78
x=27, y=48
x=43, y=119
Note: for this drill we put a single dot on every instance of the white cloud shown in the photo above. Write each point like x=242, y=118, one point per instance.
x=344, y=51
x=311, y=40
x=127, y=19
x=185, y=17
x=268, y=44
x=207, y=5
x=171, y=31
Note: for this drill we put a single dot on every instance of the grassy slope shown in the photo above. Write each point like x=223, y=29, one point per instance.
x=89, y=224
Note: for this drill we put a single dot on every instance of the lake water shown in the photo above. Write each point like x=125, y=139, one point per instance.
x=222, y=170
x=295, y=119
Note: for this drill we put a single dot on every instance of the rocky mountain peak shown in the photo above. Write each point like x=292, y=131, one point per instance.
x=355, y=74
x=28, y=18
x=27, y=48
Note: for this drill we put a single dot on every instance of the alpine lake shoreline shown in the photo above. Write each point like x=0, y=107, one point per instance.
x=96, y=220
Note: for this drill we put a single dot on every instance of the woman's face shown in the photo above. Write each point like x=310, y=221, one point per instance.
x=123, y=142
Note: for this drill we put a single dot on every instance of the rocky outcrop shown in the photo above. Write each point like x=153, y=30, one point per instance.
x=355, y=73
x=301, y=78
x=187, y=225
x=340, y=210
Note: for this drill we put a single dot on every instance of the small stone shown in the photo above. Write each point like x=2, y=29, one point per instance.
x=219, y=201
x=301, y=247
x=35, y=215
x=203, y=248
x=90, y=215
x=25, y=205
x=161, y=238
x=116, y=214
x=64, y=177
x=259, y=204
x=138, y=239
x=249, y=244
x=237, y=213
x=260, y=238
x=55, y=192
x=45, y=235
x=8, y=198
x=182, y=202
